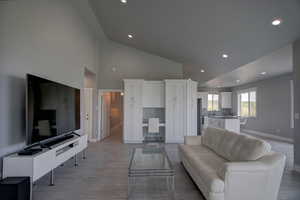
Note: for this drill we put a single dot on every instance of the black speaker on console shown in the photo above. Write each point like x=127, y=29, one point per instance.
x=15, y=188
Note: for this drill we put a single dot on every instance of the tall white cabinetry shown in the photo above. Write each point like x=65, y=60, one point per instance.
x=178, y=98
x=192, y=87
x=133, y=112
x=176, y=114
x=181, y=112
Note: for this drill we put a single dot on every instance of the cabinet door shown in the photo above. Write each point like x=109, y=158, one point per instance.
x=191, y=108
x=175, y=111
x=226, y=99
x=154, y=94
x=133, y=101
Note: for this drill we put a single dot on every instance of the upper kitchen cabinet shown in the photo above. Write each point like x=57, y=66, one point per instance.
x=226, y=99
x=204, y=97
x=154, y=94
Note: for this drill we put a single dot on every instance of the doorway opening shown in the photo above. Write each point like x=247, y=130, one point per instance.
x=111, y=116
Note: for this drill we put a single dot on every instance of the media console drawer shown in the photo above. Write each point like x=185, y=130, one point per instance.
x=66, y=148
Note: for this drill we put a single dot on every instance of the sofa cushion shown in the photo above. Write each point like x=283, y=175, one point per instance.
x=212, y=138
x=233, y=146
x=206, y=164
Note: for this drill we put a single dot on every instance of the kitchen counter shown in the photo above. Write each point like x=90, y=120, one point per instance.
x=224, y=117
x=231, y=123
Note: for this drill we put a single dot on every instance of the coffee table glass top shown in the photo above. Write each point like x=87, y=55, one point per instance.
x=150, y=161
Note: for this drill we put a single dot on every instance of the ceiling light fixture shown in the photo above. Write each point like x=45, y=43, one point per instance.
x=202, y=70
x=225, y=56
x=263, y=73
x=130, y=36
x=276, y=22
x=123, y=1
x=238, y=81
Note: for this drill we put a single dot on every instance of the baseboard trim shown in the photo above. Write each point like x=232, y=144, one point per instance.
x=93, y=140
x=133, y=141
x=297, y=168
x=268, y=135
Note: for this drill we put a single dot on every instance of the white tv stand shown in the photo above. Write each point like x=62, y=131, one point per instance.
x=40, y=164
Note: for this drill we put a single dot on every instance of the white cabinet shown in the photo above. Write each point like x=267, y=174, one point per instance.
x=153, y=94
x=192, y=87
x=204, y=97
x=178, y=97
x=176, y=102
x=38, y=165
x=226, y=99
x=133, y=113
x=181, y=112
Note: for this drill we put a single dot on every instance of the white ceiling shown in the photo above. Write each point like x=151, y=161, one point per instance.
x=197, y=32
x=274, y=64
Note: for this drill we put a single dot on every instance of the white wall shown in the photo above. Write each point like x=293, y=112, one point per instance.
x=296, y=76
x=273, y=106
x=132, y=63
x=47, y=38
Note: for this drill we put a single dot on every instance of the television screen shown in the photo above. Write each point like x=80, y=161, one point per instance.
x=53, y=109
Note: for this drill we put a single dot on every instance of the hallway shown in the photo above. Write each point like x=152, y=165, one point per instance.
x=116, y=136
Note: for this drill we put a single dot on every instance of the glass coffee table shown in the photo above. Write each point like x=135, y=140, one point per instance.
x=150, y=162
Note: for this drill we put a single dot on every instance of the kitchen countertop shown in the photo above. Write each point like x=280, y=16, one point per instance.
x=223, y=117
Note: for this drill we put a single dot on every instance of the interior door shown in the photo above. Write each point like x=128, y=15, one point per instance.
x=88, y=118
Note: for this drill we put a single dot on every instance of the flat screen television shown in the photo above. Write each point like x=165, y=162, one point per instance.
x=53, y=110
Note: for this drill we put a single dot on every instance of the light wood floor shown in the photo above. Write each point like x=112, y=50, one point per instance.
x=103, y=175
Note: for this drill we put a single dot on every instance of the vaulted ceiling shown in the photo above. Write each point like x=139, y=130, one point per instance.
x=197, y=32
x=274, y=64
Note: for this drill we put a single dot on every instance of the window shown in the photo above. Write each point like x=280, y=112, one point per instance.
x=247, y=103
x=213, y=102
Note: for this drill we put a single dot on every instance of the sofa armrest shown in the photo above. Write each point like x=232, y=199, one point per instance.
x=192, y=140
x=249, y=167
x=258, y=179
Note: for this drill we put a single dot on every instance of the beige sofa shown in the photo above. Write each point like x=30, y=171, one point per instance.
x=231, y=166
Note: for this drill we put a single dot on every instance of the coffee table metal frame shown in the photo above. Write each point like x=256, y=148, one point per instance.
x=168, y=173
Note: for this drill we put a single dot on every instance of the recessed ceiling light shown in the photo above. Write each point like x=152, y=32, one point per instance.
x=263, y=73
x=122, y=94
x=202, y=70
x=130, y=36
x=238, y=81
x=225, y=56
x=123, y=1
x=276, y=22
